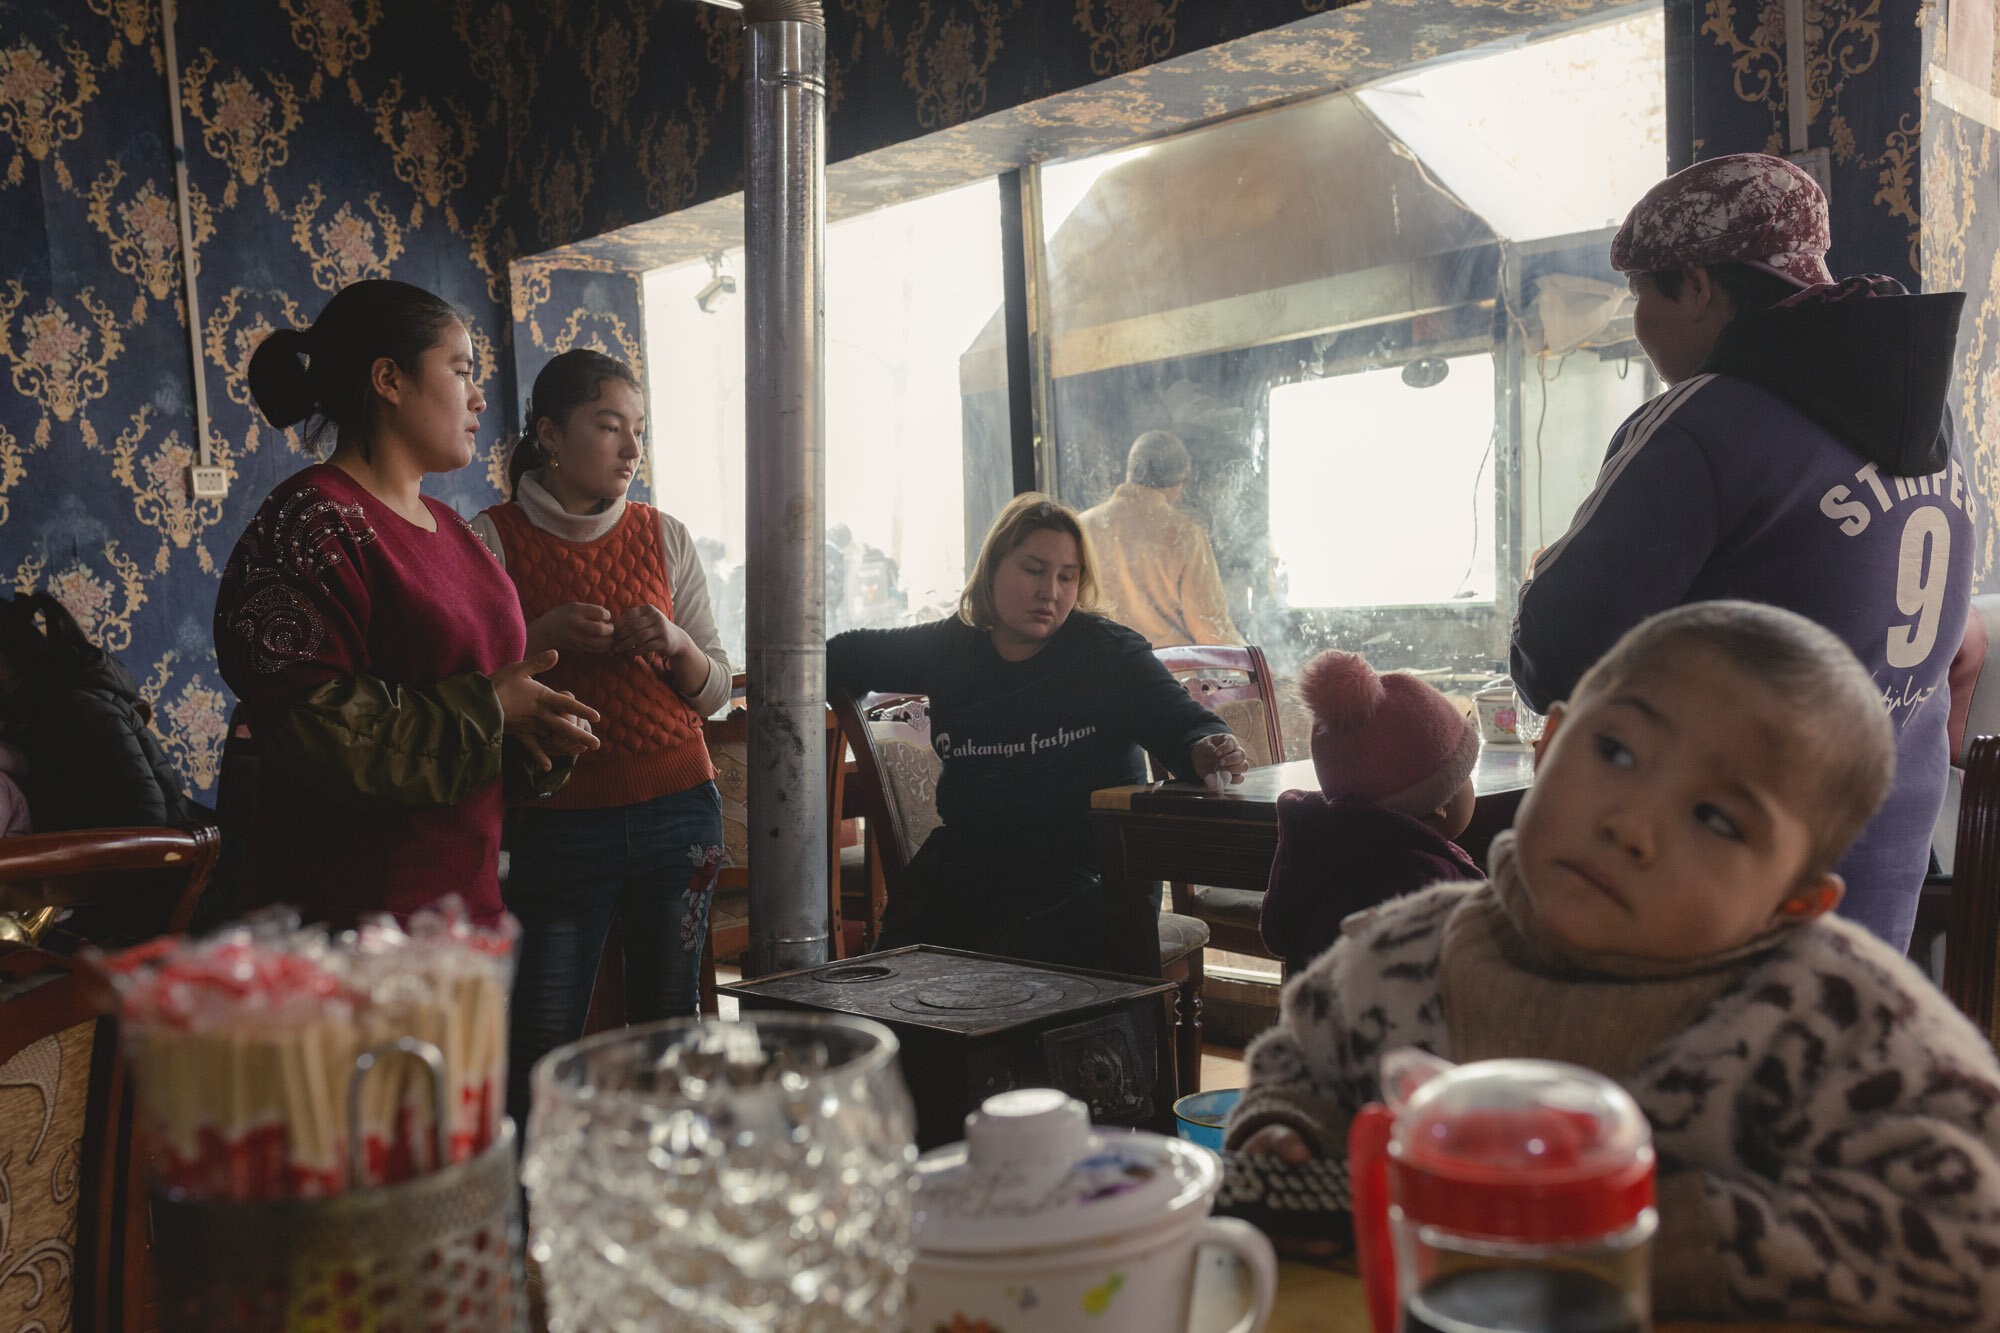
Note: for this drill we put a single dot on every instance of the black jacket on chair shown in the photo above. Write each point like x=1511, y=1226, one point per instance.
x=92, y=760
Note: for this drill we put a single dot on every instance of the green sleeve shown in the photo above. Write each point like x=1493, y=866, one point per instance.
x=362, y=738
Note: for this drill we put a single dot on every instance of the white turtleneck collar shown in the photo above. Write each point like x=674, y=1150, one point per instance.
x=546, y=512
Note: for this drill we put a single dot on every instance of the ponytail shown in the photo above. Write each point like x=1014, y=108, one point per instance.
x=324, y=371
x=527, y=455
x=279, y=380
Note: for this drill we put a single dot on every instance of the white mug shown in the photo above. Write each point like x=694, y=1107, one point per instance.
x=1140, y=1284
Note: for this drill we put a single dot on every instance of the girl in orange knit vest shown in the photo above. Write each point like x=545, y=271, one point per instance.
x=617, y=588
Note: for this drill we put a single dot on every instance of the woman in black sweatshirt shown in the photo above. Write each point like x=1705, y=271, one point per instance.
x=1035, y=702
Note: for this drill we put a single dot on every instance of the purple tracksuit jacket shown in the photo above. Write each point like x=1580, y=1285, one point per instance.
x=1809, y=466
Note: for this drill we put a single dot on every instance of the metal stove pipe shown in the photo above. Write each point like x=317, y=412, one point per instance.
x=784, y=225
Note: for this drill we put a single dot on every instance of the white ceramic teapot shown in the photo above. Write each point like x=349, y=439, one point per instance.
x=1038, y=1223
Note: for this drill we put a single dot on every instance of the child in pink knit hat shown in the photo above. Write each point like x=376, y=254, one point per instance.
x=1394, y=759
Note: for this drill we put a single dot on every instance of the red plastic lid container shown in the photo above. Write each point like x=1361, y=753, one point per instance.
x=1527, y=1151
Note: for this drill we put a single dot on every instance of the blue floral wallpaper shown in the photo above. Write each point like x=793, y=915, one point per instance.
x=1864, y=74
x=327, y=140
x=466, y=145
x=1960, y=240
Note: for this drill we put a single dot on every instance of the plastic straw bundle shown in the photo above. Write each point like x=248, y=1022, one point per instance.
x=243, y=1045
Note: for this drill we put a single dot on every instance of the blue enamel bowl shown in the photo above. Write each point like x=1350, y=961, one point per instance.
x=1199, y=1116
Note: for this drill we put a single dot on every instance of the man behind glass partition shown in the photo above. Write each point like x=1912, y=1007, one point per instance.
x=1800, y=457
x=1157, y=568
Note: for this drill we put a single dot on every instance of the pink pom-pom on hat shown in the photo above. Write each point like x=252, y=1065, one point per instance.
x=1388, y=739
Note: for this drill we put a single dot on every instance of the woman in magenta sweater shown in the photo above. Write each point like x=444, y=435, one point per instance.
x=376, y=646
x=618, y=588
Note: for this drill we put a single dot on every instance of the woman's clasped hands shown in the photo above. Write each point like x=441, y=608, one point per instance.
x=583, y=627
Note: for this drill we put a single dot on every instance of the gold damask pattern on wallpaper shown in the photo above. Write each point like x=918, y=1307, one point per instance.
x=103, y=606
x=1864, y=113
x=53, y=364
x=493, y=244
x=143, y=232
x=535, y=290
x=95, y=436
x=1843, y=40
x=722, y=36
x=1125, y=34
x=1961, y=252
x=337, y=38
x=564, y=186
x=946, y=67
x=192, y=723
x=614, y=46
x=430, y=152
x=346, y=247
x=134, y=23
x=13, y=467
x=41, y=104
x=670, y=153
x=157, y=479
x=871, y=16
x=246, y=129
x=498, y=54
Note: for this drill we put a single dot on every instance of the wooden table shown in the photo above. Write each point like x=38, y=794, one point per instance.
x=1312, y=1299
x=1181, y=831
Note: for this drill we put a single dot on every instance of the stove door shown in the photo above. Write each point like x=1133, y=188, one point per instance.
x=1110, y=1064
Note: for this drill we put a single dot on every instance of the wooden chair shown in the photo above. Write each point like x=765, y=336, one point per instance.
x=63, y=1079
x=1234, y=682
x=1972, y=931
x=63, y=1082
x=896, y=770
x=153, y=877
x=1974, y=710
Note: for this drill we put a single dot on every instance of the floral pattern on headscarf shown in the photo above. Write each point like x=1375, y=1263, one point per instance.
x=1751, y=208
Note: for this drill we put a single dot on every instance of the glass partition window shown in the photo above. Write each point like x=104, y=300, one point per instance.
x=908, y=291
x=1570, y=407
x=1381, y=325
x=694, y=372
x=1406, y=522
x=1384, y=327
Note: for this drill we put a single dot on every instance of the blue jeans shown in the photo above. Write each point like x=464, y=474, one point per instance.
x=653, y=863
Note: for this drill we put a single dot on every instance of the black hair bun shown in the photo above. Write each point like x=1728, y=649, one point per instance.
x=279, y=380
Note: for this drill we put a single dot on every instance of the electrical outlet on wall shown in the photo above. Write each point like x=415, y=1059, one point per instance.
x=1817, y=163
x=210, y=482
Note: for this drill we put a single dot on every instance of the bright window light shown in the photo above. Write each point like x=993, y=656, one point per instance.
x=1552, y=137
x=1382, y=494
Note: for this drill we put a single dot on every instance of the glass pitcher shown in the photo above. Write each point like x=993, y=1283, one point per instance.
x=1504, y=1196
x=710, y=1176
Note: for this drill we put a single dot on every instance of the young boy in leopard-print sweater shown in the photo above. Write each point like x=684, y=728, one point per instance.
x=1827, y=1124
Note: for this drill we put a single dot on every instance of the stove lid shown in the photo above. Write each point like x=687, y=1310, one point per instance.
x=967, y=994
x=1032, y=1175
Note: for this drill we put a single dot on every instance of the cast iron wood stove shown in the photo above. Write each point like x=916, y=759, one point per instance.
x=972, y=1025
